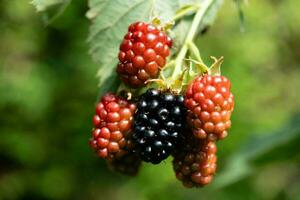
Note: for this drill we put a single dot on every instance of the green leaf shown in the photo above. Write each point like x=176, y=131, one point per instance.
x=180, y=31
x=211, y=14
x=243, y=163
x=110, y=20
x=50, y=9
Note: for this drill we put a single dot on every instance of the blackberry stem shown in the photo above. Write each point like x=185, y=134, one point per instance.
x=182, y=12
x=193, y=30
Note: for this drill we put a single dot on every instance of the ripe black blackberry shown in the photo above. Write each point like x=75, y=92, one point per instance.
x=158, y=124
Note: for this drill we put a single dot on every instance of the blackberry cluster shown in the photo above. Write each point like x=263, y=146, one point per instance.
x=195, y=164
x=163, y=122
x=158, y=124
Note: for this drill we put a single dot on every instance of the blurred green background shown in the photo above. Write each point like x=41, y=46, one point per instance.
x=48, y=90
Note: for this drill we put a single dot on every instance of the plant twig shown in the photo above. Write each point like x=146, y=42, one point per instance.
x=189, y=38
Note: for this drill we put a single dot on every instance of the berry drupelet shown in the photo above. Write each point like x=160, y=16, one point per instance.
x=112, y=135
x=143, y=53
x=195, y=164
x=210, y=104
x=158, y=124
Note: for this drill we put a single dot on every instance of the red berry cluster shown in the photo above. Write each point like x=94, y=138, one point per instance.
x=112, y=133
x=196, y=164
x=210, y=104
x=125, y=135
x=143, y=52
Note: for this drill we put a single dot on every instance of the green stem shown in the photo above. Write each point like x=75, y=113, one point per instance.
x=185, y=11
x=193, y=30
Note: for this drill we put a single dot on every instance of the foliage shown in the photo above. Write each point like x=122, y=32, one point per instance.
x=48, y=89
x=51, y=9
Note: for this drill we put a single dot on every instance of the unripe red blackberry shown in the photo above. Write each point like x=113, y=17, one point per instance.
x=158, y=125
x=128, y=164
x=112, y=135
x=143, y=53
x=196, y=164
x=210, y=104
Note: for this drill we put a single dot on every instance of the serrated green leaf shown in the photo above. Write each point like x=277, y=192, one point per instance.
x=110, y=21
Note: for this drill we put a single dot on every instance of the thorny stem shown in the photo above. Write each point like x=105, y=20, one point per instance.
x=193, y=30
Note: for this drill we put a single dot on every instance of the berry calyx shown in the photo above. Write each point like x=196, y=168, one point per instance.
x=112, y=134
x=143, y=53
x=210, y=104
x=158, y=124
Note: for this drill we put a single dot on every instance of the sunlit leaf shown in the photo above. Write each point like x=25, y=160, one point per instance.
x=110, y=21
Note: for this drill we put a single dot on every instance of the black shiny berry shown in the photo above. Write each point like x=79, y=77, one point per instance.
x=158, y=124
